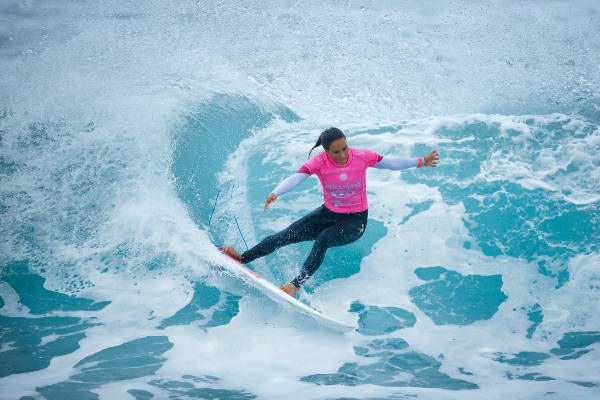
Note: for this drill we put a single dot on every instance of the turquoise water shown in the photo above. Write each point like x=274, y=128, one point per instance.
x=135, y=136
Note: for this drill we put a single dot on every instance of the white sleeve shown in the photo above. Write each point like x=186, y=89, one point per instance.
x=395, y=163
x=289, y=183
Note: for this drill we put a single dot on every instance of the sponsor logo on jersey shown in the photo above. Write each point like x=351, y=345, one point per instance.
x=342, y=194
x=345, y=186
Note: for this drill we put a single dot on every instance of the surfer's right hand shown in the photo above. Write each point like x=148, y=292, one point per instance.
x=270, y=198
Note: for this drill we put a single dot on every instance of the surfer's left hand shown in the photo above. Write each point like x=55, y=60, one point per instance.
x=431, y=159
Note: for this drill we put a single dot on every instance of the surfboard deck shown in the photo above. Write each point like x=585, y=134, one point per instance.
x=279, y=296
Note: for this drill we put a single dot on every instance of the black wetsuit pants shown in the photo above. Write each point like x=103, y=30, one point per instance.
x=325, y=227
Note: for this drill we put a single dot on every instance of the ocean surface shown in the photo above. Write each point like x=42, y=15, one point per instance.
x=137, y=135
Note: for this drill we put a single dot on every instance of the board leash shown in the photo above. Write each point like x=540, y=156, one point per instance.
x=241, y=234
x=217, y=202
x=234, y=217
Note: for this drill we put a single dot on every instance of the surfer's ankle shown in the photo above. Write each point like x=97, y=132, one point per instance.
x=233, y=253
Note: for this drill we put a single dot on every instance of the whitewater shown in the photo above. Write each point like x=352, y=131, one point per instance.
x=136, y=136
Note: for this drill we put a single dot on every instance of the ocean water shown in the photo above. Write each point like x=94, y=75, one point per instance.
x=134, y=136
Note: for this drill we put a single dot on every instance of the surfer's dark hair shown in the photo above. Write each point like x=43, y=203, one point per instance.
x=327, y=137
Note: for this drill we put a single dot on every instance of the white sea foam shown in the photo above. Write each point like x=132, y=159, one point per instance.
x=93, y=92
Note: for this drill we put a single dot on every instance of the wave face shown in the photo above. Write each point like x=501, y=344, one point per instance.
x=135, y=136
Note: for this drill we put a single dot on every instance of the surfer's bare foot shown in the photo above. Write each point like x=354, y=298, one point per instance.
x=231, y=252
x=290, y=289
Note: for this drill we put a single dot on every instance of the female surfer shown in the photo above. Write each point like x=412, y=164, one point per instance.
x=342, y=218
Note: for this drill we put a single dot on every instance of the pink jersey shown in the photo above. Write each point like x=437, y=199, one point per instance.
x=344, y=186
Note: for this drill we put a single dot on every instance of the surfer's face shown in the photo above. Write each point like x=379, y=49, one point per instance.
x=338, y=150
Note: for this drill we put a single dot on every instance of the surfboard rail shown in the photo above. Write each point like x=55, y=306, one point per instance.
x=279, y=296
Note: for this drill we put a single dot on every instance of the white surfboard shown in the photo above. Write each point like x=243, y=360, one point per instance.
x=279, y=296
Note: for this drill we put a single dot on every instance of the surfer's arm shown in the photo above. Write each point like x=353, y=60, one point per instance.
x=285, y=186
x=396, y=163
x=290, y=183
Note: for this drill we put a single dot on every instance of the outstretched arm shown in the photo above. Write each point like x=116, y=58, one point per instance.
x=396, y=163
x=285, y=186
